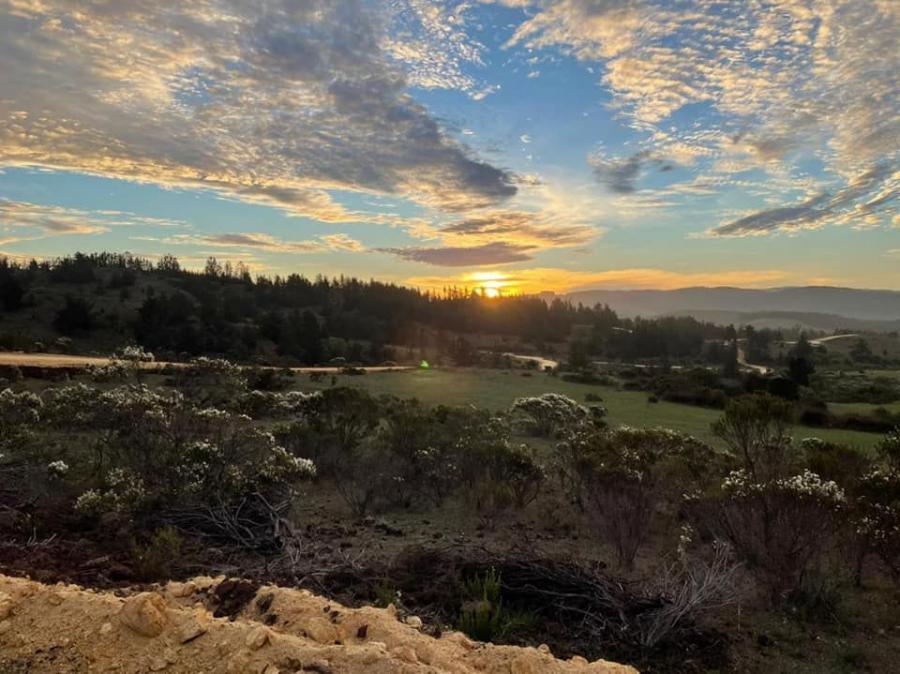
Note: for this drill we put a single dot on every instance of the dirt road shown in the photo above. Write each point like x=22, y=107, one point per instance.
x=60, y=360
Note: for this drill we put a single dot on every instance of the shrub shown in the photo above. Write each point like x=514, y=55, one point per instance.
x=19, y=414
x=876, y=518
x=550, y=413
x=889, y=449
x=155, y=559
x=614, y=476
x=483, y=615
x=757, y=430
x=844, y=465
x=780, y=528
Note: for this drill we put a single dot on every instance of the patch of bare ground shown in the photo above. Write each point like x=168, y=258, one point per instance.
x=221, y=625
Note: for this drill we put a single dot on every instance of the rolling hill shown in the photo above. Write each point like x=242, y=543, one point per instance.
x=819, y=307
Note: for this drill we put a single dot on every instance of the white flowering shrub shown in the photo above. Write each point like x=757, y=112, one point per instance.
x=134, y=354
x=274, y=405
x=211, y=381
x=114, y=371
x=614, y=476
x=550, y=413
x=783, y=528
x=19, y=414
x=132, y=449
x=889, y=449
x=876, y=519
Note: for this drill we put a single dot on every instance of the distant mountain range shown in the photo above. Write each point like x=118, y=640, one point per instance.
x=814, y=307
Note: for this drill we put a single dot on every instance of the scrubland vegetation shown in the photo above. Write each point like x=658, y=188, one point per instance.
x=657, y=499
x=545, y=522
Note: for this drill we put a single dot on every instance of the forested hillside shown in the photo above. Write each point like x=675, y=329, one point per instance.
x=102, y=301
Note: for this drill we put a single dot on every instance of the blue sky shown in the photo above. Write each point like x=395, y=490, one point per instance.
x=522, y=145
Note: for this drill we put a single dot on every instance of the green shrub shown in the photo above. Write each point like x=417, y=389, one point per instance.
x=155, y=559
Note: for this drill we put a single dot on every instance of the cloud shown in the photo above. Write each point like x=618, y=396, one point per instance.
x=273, y=102
x=500, y=252
x=772, y=86
x=536, y=280
x=620, y=175
x=518, y=227
x=263, y=242
x=865, y=196
x=47, y=220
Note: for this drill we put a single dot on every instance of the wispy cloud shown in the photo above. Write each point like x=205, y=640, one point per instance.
x=24, y=221
x=500, y=252
x=769, y=85
x=278, y=102
x=865, y=196
x=263, y=242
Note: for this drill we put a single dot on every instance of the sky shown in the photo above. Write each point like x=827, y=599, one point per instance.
x=508, y=145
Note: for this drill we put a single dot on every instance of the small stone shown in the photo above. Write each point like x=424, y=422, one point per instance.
x=271, y=669
x=158, y=664
x=106, y=628
x=414, y=621
x=318, y=666
x=193, y=626
x=54, y=599
x=170, y=655
x=544, y=648
x=258, y=638
x=6, y=606
x=144, y=613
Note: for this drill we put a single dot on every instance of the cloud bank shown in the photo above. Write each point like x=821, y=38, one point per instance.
x=273, y=101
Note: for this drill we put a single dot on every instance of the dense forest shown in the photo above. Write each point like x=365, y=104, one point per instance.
x=110, y=299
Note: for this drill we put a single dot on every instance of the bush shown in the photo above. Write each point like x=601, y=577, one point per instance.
x=615, y=476
x=781, y=528
x=550, y=413
x=155, y=559
x=756, y=429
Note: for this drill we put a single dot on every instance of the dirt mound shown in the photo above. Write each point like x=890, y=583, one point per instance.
x=265, y=630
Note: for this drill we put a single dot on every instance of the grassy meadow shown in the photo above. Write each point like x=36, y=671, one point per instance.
x=496, y=389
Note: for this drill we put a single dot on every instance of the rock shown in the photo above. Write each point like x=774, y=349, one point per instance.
x=414, y=621
x=106, y=628
x=54, y=599
x=318, y=666
x=6, y=606
x=257, y=638
x=181, y=590
x=158, y=664
x=145, y=614
x=193, y=626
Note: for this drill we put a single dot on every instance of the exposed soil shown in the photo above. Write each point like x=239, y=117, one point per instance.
x=174, y=628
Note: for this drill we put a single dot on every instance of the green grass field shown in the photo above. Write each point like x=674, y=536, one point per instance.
x=862, y=408
x=496, y=389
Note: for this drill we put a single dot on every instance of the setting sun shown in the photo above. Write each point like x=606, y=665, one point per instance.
x=490, y=284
